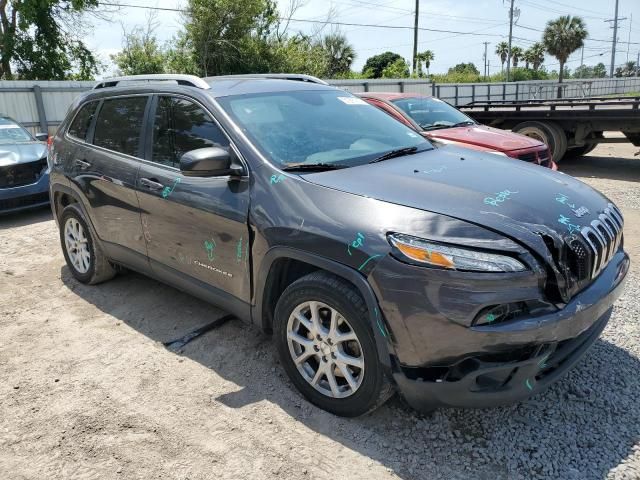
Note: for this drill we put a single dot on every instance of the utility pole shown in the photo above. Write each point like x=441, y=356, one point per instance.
x=638, y=64
x=415, y=38
x=582, y=56
x=485, y=59
x=629, y=38
x=615, y=20
x=510, y=38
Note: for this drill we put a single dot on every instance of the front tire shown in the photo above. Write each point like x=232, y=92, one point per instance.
x=327, y=346
x=83, y=255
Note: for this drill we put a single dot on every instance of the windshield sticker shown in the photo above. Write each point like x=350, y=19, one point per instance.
x=352, y=100
x=5, y=127
x=357, y=243
x=169, y=190
x=567, y=222
x=413, y=135
x=209, y=246
x=277, y=178
x=500, y=198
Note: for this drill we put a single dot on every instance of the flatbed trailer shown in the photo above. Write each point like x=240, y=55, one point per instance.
x=570, y=126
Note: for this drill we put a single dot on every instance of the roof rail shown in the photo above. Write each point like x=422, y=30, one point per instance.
x=278, y=76
x=187, y=80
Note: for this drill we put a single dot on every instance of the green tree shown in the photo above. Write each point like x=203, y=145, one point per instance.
x=599, y=71
x=561, y=38
x=41, y=40
x=425, y=57
x=534, y=56
x=140, y=52
x=397, y=69
x=340, y=54
x=627, y=70
x=376, y=64
x=465, y=68
x=228, y=36
x=516, y=55
x=502, y=50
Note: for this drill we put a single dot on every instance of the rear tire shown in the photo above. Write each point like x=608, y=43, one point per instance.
x=83, y=254
x=560, y=140
x=323, y=333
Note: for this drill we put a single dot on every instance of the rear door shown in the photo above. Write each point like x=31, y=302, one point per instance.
x=195, y=228
x=105, y=166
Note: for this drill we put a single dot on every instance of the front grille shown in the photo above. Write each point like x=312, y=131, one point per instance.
x=21, y=174
x=590, y=252
x=541, y=157
x=25, y=201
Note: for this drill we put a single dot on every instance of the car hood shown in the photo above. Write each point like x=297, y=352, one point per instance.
x=484, y=136
x=15, y=153
x=519, y=200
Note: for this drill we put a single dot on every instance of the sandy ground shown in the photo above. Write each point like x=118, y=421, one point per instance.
x=87, y=389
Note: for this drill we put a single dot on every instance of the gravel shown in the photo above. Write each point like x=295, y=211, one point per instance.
x=87, y=389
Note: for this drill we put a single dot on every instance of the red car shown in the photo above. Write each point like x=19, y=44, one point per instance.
x=440, y=122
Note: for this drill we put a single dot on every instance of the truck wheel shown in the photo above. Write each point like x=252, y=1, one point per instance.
x=327, y=346
x=560, y=140
x=584, y=149
x=83, y=255
x=548, y=133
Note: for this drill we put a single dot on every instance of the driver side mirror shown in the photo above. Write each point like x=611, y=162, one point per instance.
x=42, y=137
x=210, y=162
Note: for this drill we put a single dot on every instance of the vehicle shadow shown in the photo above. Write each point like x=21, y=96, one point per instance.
x=595, y=166
x=540, y=438
x=27, y=217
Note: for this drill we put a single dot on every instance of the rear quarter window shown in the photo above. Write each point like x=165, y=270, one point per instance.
x=80, y=125
x=119, y=124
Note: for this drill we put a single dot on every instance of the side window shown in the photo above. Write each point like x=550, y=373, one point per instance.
x=180, y=126
x=81, y=123
x=119, y=124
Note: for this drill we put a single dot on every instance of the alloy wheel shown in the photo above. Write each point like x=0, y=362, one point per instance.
x=325, y=349
x=76, y=243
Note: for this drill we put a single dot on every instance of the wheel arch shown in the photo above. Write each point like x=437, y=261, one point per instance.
x=269, y=290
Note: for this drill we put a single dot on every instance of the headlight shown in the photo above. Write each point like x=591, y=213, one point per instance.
x=452, y=258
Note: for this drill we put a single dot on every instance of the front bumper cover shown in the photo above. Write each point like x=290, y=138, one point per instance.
x=497, y=364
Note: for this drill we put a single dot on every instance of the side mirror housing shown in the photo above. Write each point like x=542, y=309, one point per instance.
x=42, y=137
x=209, y=162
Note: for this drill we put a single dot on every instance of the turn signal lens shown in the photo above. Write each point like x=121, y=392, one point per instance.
x=452, y=258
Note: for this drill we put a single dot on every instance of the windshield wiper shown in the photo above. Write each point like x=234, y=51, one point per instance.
x=463, y=124
x=435, y=127
x=400, y=152
x=314, y=166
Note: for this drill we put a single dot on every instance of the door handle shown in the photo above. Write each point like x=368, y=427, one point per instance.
x=151, y=184
x=82, y=163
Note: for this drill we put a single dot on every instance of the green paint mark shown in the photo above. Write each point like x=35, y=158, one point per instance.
x=209, y=247
x=239, y=251
x=543, y=362
x=490, y=317
x=380, y=326
x=277, y=178
x=528, y=384
x=367, y=261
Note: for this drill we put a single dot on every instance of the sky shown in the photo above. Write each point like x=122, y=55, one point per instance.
x=480, y=20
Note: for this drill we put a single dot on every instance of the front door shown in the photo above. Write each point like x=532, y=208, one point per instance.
x=105, y=166
x=194, y=227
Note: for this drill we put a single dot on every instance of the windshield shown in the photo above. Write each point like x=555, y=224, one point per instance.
x=311, y=127
x=12, y=132
x=430, y=113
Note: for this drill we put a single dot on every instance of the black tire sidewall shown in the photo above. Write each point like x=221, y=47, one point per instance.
x=365, y=398
x=71, y=212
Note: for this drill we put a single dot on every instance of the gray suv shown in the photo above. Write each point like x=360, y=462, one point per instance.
x=378, y=263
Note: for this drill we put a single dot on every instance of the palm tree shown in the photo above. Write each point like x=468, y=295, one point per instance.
x=516, y=55
x=562, y=37
x=340, y=54
x=536, y=57
x=502, y=49
x=427, y=57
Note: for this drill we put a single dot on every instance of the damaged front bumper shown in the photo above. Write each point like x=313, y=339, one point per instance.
x=483, y=366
